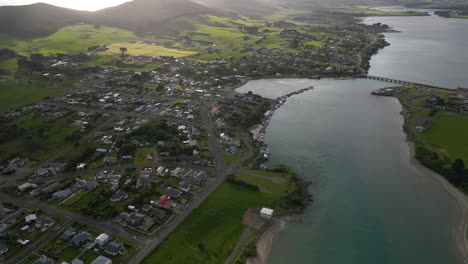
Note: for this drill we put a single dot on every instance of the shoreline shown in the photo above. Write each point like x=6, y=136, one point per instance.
x=265, y=242
x=461, y=231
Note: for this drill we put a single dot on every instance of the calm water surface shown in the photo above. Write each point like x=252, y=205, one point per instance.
x=371, y=205
x=430, y=50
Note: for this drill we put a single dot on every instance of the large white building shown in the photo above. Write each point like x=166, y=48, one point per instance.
x=266, y=213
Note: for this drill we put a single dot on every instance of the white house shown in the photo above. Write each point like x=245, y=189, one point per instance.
x=102, y=239
x=266, y=213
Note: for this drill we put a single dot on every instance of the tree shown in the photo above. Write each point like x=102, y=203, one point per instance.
x=458, y=171
x=160, y=88
x=123, y=50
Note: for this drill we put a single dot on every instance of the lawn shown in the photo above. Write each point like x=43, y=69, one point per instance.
x=88, y=257
x=210, y=232
x=313, y=43
x=268, y=186
x=69, y=254
x=14, y=94
x=141, y=155
x=448, y=134
x=75, y=198
x=147, y=50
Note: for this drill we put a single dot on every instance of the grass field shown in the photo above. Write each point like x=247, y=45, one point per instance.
x=14, y=94
x=75, y=198
x=449, y=135
x=147, y=50
x=8, y=67
x=211, y=231
x=44, y=137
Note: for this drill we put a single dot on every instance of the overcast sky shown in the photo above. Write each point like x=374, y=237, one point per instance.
x=91, y=5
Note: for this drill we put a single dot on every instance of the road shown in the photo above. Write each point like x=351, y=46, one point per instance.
x=147, y=245
x=109, y=228
x=29, y=250
x=222, y=171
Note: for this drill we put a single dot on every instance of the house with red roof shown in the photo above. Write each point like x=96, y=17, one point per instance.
x=164, y=201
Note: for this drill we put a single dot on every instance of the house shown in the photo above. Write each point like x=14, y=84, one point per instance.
x=50, y=188
x=127, y=157
x=42, y=172
x=135, y=219
x=157, y=213
x=162, y=171
x=232, y=150
x=3, y=249
x=173, y=193
x=102, y=239
x=101, y=150
x=27, y=185
x=177, y=172
x=44, y=260
x=30, y=218
x=77, y=261
x=119, y=196
x=60, y=195
x=102, y=260
x=193, y=143
x=200, y=177
x=164, y=201
x=184, y=186
x=266, y=213
x=144, y=178
x=110, y=160
x=91, y=185
x=81, y=166
x=67, y=235
x=214, y=111
x=81, y=238
x=114, y=248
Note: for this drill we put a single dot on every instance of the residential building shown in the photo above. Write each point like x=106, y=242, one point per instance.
x=114, y=248
x=102, y=260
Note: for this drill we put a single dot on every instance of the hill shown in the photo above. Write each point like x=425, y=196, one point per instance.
x=39, y=20
x=146, y=15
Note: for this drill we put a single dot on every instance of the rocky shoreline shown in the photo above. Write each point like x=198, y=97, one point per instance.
x=259, y=131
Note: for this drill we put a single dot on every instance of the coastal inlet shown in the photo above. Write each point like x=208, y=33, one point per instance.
x=258, y=132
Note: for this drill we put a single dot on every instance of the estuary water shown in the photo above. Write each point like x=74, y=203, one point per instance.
x=429, y=50
x=371, y=204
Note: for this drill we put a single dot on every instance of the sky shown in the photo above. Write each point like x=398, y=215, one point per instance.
x=90, y=5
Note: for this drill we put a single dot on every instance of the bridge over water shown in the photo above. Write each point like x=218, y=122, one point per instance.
x=390, y=80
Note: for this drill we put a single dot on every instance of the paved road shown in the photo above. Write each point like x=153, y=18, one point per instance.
x=222, y=169
x=36, y=245
x=109, y=228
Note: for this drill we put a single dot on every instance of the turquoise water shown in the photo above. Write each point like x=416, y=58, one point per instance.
x=371, y=205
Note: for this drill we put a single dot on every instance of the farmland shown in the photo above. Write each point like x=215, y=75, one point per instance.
x=146, y=50
x=447, y=134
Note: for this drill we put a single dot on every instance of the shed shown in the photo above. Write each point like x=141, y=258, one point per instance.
x=266, y=213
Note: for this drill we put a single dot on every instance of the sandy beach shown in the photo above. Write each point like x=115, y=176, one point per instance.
x=266, y=240
x=460, y=231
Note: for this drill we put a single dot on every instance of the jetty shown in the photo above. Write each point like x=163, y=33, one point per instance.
x=259, y=132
